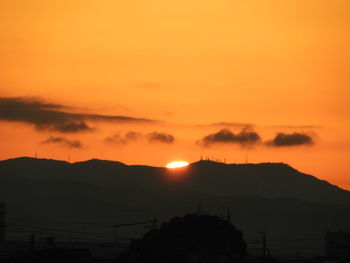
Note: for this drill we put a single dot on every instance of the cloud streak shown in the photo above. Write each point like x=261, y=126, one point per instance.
x=293, y=139
x=63, y=142
x=245, y=137
x=54, y=117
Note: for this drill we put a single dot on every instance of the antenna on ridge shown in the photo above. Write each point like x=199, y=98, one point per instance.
x=69, y=158
x=246, y=159
x=36, y=155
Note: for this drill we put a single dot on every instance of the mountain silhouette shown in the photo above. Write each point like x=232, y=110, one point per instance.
x=271, y=196
x=269, y=180
x=272, y=180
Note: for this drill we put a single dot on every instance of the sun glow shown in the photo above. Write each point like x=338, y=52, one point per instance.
x=177, y=164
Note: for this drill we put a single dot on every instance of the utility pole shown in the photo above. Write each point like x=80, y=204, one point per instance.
x=228, y=215
x=228, y=242
x=263, y=242
x=154, y=224
x=32, y=242
x=200, y=208
x=228, y=230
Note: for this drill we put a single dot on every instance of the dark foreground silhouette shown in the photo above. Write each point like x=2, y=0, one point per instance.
x=193, y=238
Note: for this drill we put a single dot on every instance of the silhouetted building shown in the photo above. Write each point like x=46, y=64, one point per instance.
x=337, y=245
x=2, y=222
x=189, y=239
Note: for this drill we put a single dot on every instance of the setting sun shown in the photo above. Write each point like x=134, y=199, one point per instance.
x=177, y=164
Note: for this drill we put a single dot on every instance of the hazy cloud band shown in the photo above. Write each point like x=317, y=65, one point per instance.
x=49, y=116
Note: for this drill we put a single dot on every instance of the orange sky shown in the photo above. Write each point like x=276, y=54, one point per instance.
x=279, y=66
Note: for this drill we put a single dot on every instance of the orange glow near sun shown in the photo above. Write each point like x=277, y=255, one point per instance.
x=177, y=164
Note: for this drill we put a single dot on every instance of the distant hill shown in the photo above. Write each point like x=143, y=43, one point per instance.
x=271, y=196
x=269, y=180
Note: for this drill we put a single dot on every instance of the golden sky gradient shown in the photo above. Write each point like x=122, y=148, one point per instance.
x=279, y=66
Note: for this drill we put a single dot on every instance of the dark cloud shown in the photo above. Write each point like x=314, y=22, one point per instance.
x=293, y=139
x=161, y=137
x=245, y=137
x=65, y=127
x=116, y=138
x=50, y=116
x=132, y=136
x=123, y=139
x=63, y=142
